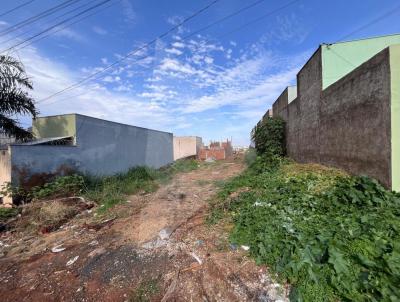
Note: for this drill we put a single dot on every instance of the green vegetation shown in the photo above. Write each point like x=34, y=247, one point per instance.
x=6, y=213
x=61, y=186
x=109, y=191
x=269, y=137
x=146, y=291
x=105, y=191
x=331, y=236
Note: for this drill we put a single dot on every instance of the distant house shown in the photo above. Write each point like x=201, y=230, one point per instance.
x=77, y=143
x=216, y=151
x=187, y=146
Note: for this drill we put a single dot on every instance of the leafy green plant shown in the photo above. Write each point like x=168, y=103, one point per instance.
x=61, y=186
x=269, y=137
x=332, y=236
x=250, y=156
x=7, y=213
x=106, y=191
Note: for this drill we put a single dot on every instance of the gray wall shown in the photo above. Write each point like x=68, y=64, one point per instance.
x=118, y=147
x=103, y=148
x=345, y=126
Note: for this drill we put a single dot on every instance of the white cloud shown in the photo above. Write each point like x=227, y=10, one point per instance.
x=290, y=29
x=129, y=12
x=111, y=79
x=208, y=60
x=99, y=30
x=70, y=34
x=91, y=99
x=175, y=20
x=178, y=45
x=174, y=51
x=171, y=92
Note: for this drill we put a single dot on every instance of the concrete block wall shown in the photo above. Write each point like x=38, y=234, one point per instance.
x=5, y=174
x=347, y=125
x=355, y=121
x=102, y=148
x=186, y=146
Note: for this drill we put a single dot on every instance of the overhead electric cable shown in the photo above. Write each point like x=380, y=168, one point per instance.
x=56, y=25
x=376, y=20
x=60, y=28
x=187, y=37
x=54, y=19
x=16, y=8
x=134, y=51
x=37, y=17
x=200, y=30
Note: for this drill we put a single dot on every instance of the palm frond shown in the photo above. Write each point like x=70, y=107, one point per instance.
x=16, y=101
x=12, y=128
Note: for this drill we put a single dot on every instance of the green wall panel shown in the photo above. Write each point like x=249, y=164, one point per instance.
x=341, y=58
x=395, y=114
x=54, y=126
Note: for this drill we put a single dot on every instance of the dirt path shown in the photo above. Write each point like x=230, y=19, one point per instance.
x=157, y=249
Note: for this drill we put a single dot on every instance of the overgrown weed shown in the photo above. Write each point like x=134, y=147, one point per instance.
x=332, y=236
x=106, y=191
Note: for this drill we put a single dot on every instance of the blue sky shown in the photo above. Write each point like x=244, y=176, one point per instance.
x=213, y=84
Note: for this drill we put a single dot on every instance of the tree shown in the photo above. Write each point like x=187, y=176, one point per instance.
x=14, y=100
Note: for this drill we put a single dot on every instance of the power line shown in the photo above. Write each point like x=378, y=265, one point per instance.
x=133, y=52
x=54, y=19
x=376, y=20
x=85, y=92
x=208, y=26
x=68, y=25
x=16, y=8
x=37, y=17
x=56, y=25
x=185, y=38
x=270, y=13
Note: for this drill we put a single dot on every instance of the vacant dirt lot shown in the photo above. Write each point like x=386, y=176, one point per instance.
x=154, y=247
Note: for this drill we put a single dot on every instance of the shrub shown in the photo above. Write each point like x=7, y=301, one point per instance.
x=61, y=186
x=269, y=137
x=7, y=213
x=250, y=156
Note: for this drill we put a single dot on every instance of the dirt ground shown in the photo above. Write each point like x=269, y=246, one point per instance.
x=154, y=247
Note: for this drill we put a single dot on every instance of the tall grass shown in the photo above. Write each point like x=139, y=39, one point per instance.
x=111, y=190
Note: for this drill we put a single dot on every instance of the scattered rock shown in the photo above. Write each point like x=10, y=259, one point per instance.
x=96, y=252
x=233, y=246
x=197, y=258
x=58, y=249
x=72, y=260
x=93, y=243
x=199, y=242
x=164, y=234
x=155, y=244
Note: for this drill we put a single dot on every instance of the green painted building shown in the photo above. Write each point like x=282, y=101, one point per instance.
x=339, y=59
x=346, y=110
